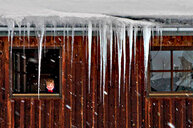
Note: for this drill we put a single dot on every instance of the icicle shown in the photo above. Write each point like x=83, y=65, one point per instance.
x=8, y=34
x=130, y=34
x=24, y=59
x=40, y=56
x=45, y=40
x=72, y=45
x=146, y=38
x=111, y=51
x=101, y=62
x=24, y=29
x=67, y=36
x=11, y=27
x=135, y=40
x=54, y=27
x=28, y=31
x=104, y=41
x=86, y=41
x=119, y=44
x=124, y=55
x=98, y=44
x=89, y=54
x=12, y=34
x=19, y=27
x=64, y=35
x=159, y=35
x=160, y=31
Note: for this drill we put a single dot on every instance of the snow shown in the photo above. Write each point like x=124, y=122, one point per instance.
x=68, y=107
x=171, y=125
x=59, y=11
x=145, y=8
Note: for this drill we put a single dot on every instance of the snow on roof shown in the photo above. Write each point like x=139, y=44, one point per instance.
x=18, y=10
x=136, y=8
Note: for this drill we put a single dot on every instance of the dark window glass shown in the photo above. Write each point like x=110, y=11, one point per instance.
x=160, y=81
x=25, y=71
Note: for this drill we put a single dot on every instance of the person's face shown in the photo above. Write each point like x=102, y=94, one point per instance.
x=50, y=85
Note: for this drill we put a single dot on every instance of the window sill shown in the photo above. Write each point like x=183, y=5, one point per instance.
x=35, y=95
x=169, y=94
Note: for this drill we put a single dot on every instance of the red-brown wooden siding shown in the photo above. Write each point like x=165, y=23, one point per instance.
x=87, y=110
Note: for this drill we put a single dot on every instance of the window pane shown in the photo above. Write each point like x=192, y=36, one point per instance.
x=183, y=60
x=25, y=71
x=160, y=60
x=160, y=81
x=183, y=81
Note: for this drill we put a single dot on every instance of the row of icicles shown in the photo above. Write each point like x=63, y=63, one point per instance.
x=106, y=35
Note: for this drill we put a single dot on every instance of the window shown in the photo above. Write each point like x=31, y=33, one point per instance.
x=171, y=69
x=24, y=65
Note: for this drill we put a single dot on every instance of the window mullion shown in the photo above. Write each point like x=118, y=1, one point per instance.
x=171, y=70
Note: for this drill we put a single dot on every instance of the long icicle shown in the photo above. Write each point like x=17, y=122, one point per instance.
x=101, y=62
x=72, y=45
x=40, y=57
x=146, y=38
x=111, y=52
x=90, y=52
x=119, y=44
x=124, y=55
x=104, y=41
x=130, y=34
x=28, y=31
x=11, y=28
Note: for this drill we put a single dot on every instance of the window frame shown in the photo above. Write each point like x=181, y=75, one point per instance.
x=168, y=93
x=36, y=95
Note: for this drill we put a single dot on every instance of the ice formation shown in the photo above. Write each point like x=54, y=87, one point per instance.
x=89, y=49
x=146, y=38
x=130, y=34
x=41, y=36
x=11, y=26
x=111, y=31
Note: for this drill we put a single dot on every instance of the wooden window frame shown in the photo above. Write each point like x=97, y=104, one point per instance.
x=168, y=93
x=36, y=95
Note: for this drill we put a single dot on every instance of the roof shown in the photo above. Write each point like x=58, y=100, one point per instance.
x=149, y=9
x=137, y=8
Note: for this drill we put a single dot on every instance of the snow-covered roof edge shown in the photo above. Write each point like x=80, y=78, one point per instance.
x=69, y=18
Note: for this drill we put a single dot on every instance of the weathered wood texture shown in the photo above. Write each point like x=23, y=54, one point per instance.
x=80, y=108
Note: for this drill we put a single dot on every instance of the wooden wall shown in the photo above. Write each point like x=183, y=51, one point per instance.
x=79, y=108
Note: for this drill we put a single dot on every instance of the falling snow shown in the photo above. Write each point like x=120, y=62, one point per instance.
x=171, y=125
x=68, y=107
